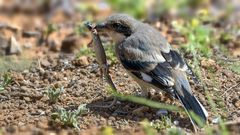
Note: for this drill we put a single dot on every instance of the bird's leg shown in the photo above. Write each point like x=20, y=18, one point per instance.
x=102, y=74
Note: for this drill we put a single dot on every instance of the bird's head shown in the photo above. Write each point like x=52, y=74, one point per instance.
x=118, y=26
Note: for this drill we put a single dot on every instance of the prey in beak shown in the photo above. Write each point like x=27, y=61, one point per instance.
x=99, y=27
x=101, y=59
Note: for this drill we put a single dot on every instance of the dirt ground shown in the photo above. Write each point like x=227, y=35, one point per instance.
x=25, y=107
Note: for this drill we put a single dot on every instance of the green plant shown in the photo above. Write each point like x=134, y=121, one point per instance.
x=88, y=9
x=50, y=29
x=175, y=131
x=235, y=67
x=180, y=8
x=197, y=119
x=85, y=51
x=147, y=128
x=10, y=63
x=80, y=29
x=215, y=92
x=110, y=52
x=167, y=5
x=135, y=8
x=222, y=127
x=69, y=118
x=47, y=32
x=53, y=93
x=144, y=101
x=208, y=130
x=6, y=80
x=162, y=123
x=151, y=128
x=199, y=39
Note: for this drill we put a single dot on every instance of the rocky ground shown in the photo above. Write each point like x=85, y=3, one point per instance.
x=59, y=58
x=25, y=107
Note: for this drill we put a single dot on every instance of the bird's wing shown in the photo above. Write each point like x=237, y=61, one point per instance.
x=164, y=69
x=150, y=63
x=177, y=62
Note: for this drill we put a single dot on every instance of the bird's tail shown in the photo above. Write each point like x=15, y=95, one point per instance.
x=190, y=102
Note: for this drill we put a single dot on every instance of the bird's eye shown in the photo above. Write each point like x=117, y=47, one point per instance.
x=116, y=25
x=121, y=28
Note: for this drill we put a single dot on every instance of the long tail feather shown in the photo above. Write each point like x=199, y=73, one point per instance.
x=189, y=101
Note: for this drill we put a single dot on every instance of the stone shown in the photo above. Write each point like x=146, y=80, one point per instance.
x=27, y=99
x=45, y=63
x=162, y=112
x=14, y=47
x=81, y=61
x=237, y=104
x=176, y=122
x=3, y=45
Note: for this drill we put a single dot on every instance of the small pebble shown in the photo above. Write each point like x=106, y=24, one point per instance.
x=65, y=78
x=162, y=113
x=27, y=99
x=237, y=104
x=176, y=122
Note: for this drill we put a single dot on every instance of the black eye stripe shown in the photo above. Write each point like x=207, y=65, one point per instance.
x=122, y=29
x=116, y=25
x=119, y=27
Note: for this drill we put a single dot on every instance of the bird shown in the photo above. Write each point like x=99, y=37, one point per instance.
x=151, y=61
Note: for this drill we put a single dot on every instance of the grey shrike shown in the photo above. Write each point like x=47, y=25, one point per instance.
x=149, y=58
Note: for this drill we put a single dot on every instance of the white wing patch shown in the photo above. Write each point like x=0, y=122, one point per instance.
x=184, y=68
x=158, y=57
x=146, y=77
x=170, y=81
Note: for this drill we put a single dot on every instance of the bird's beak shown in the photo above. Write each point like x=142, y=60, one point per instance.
x=101, y=26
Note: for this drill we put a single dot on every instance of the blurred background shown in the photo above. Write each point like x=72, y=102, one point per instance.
x=95, y=9
x=44, y=43
x=31, y=29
